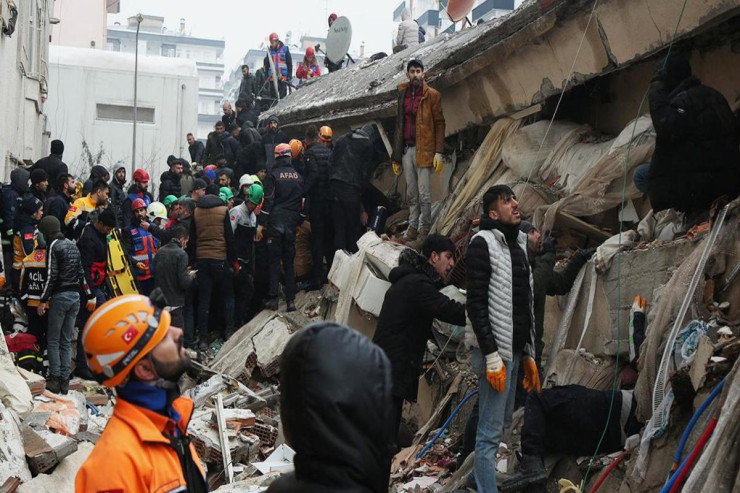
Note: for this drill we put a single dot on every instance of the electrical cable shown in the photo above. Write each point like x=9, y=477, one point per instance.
x=445, y=425
x=674, y=483
x=609, y=469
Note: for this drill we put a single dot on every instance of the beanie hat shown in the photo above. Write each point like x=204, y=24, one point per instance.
x=49, y=225
x=273, y=118
x=199, y=184
x=38, y=175
x=212, y=189
x=57, y=147
x=525, y=227
x=31, y=205
x=108, y=218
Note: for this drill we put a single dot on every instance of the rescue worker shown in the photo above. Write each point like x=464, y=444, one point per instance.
x=77, y=216
x=419, y=145
x=61, y=292
x=145, y=447
x=142, y=246
x=58, y=204
x=137, y=190
x=24, y=237
x=318, y=159
x=12, y=196
x=296, y=153
x=244, y=224
x=33, y=278
x=309, y=67
x=283, y=64
x=281, y=215
x=117, y=195
x=226, y=196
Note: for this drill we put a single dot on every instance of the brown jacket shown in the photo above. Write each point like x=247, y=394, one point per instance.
x=430, y=126
x=212, y=239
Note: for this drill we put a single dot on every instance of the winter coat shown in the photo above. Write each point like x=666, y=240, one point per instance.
x=58, y=206
x=270, y=138
x=65, y=272
x=306, y=71
x=318, y=160
x=93, y=248
x=408, y=30
x=491, y=299
x=356, y=155
x=230, y=147
x=283, y=197
x=244, y=225
x=197, y=152
x=247, y=89
x=132, y=194
x=336, y=407
x=228, y=119
x=53, y=165
x=405, y=322
x=250, y=156
x=171, y=273
x=117, y=196
x=249, y=134
x=430, y=126
x=12, y=200
x=24, y=238
x=169, y=184
x=211, y=229
x=96, y=173
x=697, y=147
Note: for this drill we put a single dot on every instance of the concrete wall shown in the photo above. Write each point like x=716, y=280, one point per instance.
x=82, y=79
x=23, y=82
x=83, y=22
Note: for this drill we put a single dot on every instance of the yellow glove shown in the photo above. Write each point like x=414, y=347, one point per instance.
x=396, y=168
x=531, y=376
x=260, y=234
x=496, y=371
x=141, y=265
x=90, y=305
x=438, y=163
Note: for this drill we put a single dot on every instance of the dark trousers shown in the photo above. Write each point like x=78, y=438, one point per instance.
x=37, y=326
x=321, y=239
x=177, y=316
x=189, y=310
x=214, y=276
x=346, y=209
x=396, y=416
x=261, y=274
x=281, y=249
x=243, y=292
x=146, y=286
x=82, y=316
x=570, y=420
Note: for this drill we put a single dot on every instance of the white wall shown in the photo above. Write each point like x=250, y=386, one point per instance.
x=82, y=21
x=82, y=79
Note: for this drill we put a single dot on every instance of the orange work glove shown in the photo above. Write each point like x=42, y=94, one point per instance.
x=531, y=376
x=91, y=304
x=496, y=371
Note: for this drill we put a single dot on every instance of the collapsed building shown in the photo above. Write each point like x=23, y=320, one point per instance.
x=545, y=100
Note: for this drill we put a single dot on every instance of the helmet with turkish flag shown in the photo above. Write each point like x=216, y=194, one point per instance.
x=141, y=175
x=138, y=204
x=274, y=37
x=310, y=53
x=283, y=150
x=296, y=148
x=325, y=133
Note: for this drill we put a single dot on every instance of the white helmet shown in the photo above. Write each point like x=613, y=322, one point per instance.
x=246, y=180
x=156, y=210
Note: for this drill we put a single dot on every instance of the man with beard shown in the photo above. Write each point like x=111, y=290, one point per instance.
x=137, y=190
x=131, y=345
x=418, y=147
x=409, y=307
x=169, y=182
x=59, y=203
x=196, y=149
x=142, y=246
x=117, y=194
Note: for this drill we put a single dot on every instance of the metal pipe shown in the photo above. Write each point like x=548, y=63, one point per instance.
x=139, y=18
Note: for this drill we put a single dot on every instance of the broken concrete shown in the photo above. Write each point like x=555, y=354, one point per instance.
x=62, y=479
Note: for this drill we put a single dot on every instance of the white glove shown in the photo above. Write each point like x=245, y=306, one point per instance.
x=496, y=371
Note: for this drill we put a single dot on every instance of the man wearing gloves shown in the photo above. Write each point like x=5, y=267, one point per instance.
x=418, y=147
x=500, y=308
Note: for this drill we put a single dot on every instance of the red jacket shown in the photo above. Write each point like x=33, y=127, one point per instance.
x=305, y=71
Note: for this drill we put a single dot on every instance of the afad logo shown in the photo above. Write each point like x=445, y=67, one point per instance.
x=130, y=334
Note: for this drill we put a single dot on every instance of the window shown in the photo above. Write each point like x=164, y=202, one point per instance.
x=113, y=44
x=218, y=81
x=124, y=113
x=169, y=50
x=216, y=107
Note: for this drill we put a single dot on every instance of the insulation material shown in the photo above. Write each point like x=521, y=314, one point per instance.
x=14, y=391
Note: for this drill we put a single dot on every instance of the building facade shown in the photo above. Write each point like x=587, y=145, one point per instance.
x=25, y=28
x=82, y=23
x=156, y=40
x=432, y=16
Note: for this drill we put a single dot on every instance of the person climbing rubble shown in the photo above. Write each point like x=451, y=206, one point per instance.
x=335, y=412
x=409, y=307
x=131, y=346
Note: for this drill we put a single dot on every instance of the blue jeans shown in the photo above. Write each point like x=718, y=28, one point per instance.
x=63, y=310
x=495, y=410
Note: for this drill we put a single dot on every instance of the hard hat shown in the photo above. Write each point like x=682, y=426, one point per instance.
x=226, y=194
x=138, y=204
x=283, y=150
x=274, y=37
x=120, y=333
x=255, y=194
x=325, y=133
x=245, y=180
x=156, y=210
x=256, y=179
x=169, y=200
x=296, y=148
x=210, y=167
x=141, y=175
x=310, y=53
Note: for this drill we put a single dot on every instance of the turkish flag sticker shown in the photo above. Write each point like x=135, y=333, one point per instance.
x=130, y=334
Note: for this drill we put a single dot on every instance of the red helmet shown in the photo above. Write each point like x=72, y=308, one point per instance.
x=274, y=37
x=138, y=204
x=283, y=150
x=332, y=18
x=210, y=167
x=310, y=53
x=141, y=175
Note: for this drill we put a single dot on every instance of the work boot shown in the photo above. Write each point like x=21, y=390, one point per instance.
x=410, y=234
x=291, y=306
x=272, y=304
x=84, y=373
x=531, y=471
x=53, y=384
x=64, y=386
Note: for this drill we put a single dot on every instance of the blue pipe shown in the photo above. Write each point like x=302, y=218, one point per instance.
x=695, y=418
x=444, y=426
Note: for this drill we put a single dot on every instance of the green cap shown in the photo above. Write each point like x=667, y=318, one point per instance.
x=226, y=194
x=169, y=200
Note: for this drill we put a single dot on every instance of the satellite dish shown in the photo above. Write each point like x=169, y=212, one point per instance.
x=458, y=9
x=338, y=39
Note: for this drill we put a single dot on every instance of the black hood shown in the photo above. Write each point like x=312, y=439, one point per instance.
x=412, y=262
x=209, y=202
x=19, y=179
x=336, y=408
x=97, y=172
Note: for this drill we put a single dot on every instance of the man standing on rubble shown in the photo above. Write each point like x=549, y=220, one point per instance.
x=130, y=345
x=418, y=147
x=500, y=309
x=409, y=307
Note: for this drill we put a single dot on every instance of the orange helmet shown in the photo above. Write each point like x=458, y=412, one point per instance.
x=282, y=150
x=296, y=148
x=325, y=133
x=121, y=332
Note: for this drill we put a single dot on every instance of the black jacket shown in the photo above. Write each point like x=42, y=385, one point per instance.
x=247, y=89
x=53, y=165
x=318, y=160
x=283, y=197
x=93, y=249
x=12, y=200
x=117, y=197
x=271, y=139
x=169, y=184
x=197, y=151
x=356, y=155
x=65, y=272
x=57, y=206
x=164, y=235
x=96, y=174
x=405, y=322
x=249, y=158
x=697, y=147
x=336, y=410
x=170, y=272
x=229, y=147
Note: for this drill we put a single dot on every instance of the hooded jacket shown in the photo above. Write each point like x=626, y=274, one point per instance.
x=169, y=184
x=355, y=157
x=12, y=195
x=336, y=412
x=53, y=165
x=408, y=30
x=96, y=173
x=405, y=322
x=171, y=272
x=117, y=196
x=132, y=194
x=229, y=146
